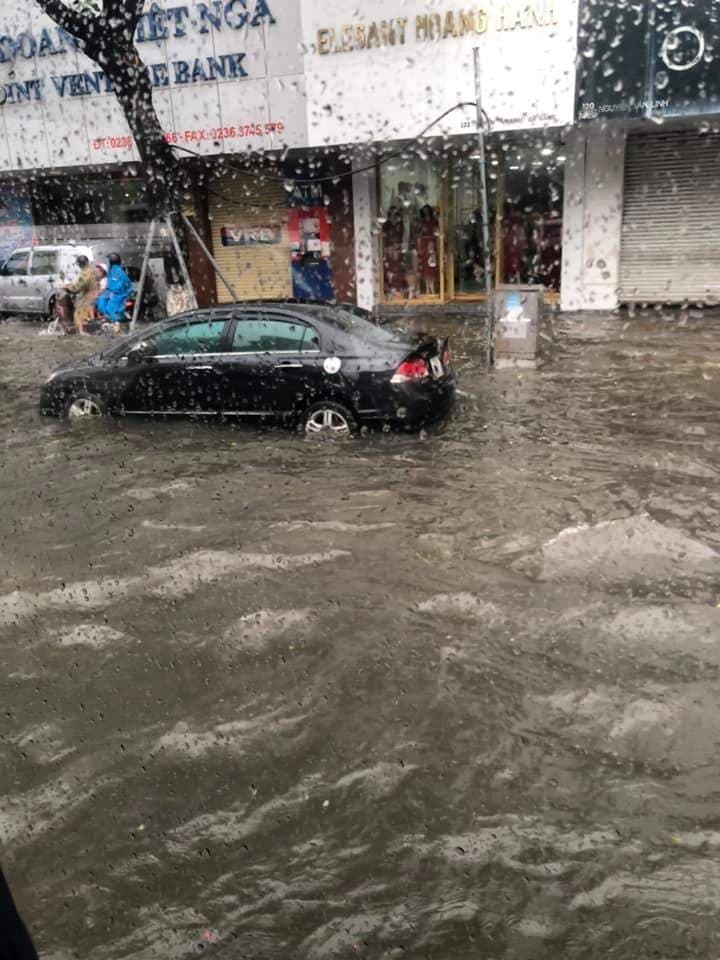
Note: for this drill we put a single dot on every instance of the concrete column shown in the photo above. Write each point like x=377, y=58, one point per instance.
x=364, y=221
x=592, y=218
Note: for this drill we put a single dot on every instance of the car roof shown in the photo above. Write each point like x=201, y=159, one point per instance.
x=311, y=308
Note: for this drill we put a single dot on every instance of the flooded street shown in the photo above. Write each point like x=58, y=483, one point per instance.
x=442, y=696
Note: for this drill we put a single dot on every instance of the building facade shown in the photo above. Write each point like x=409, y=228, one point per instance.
x=341, y=143
x=643, y=160
x=395, y=83
x=332, y=151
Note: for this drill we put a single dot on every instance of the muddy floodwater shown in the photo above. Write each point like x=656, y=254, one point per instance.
x=443, y=696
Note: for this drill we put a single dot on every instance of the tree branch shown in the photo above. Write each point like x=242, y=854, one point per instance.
x=76, y=23
x=129, y=9
x=123, y=15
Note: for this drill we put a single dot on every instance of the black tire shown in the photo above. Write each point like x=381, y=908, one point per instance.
x=330, y=419
x=84, y=405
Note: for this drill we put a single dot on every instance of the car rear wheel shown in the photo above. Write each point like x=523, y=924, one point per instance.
x=84, y=406
x=329, y=419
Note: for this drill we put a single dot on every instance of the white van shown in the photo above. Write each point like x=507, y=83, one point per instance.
x=31, y=276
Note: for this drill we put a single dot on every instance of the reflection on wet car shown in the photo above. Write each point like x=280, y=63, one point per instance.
x=326, y=369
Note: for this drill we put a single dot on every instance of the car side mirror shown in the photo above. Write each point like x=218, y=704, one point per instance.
x=140, y=352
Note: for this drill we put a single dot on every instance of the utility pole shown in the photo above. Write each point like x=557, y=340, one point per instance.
x=485, y=211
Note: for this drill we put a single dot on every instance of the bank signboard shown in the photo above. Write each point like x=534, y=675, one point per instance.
x=385, y=69
x=657, y=58
x=227, y=76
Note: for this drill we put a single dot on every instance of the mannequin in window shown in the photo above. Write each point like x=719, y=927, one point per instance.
x=427, y=248
x=394, y=268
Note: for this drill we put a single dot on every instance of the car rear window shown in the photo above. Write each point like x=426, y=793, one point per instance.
x=361, y=329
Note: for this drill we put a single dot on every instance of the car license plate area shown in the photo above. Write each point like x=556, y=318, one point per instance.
x=436, y=367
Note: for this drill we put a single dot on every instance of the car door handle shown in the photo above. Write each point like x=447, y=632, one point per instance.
x=201, y=366
x=287, y=365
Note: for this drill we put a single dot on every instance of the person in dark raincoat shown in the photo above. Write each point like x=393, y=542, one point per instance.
x=15, y=944
x=118, y=287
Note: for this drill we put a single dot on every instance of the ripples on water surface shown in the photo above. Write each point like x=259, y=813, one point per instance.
x=443, y=696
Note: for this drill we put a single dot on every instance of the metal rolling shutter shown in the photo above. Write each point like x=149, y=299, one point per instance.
x=241, y=202
x=670, y=247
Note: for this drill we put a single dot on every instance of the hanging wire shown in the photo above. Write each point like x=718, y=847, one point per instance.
x=334, y=176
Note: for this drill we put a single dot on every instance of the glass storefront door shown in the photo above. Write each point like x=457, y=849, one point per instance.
x=466, y=262
x=531, y=227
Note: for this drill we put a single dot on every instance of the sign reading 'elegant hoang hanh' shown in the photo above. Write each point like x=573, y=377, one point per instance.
x=423, y=27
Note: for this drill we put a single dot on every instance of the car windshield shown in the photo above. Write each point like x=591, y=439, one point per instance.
x=359, y=457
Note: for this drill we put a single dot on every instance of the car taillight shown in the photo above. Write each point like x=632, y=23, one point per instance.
x=446, y=357
x=410, y=370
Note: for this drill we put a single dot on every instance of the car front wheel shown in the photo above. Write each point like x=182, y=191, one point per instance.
x=84, y=406
x=329, y=419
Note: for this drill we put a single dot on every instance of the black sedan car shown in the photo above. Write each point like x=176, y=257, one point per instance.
x=324, y=368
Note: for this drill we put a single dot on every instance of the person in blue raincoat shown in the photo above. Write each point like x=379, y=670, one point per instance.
x=118, y=287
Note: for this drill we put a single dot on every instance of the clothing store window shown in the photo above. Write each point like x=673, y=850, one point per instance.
x=430, y=220
x=410, y=230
